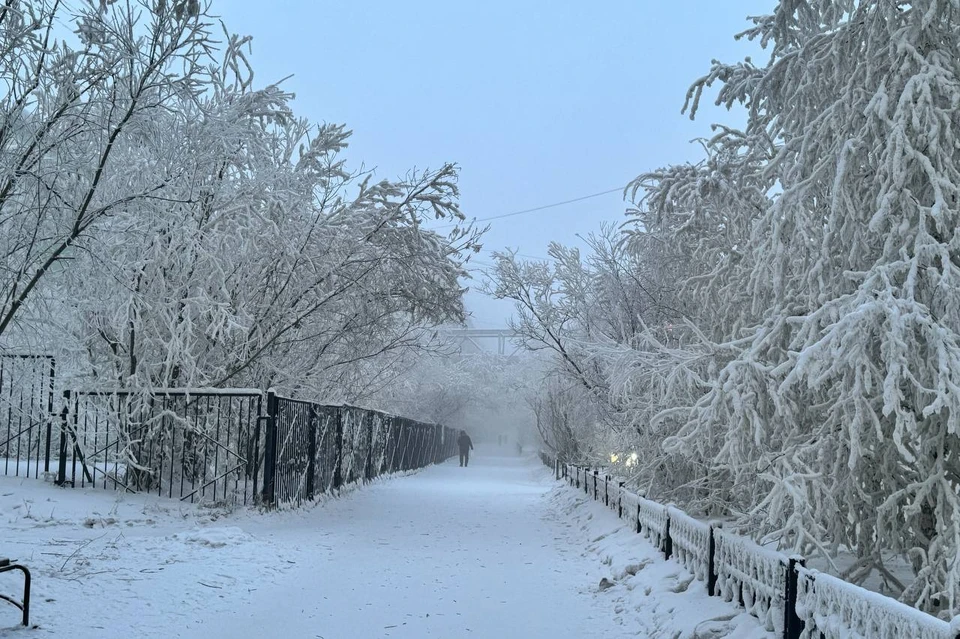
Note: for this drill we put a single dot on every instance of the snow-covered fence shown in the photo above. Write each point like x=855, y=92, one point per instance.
x=301, y=425
x=654, y=523
x=833, y=609
x=313, y=448
x=691, y=540
x=26, y=408
x=754, y=576
x=217, y=445
x=192, y=444
x=777, y=589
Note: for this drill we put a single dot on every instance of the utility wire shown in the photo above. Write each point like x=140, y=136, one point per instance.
x=538, y=208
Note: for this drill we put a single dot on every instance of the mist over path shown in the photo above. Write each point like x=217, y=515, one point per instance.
x=447, y=552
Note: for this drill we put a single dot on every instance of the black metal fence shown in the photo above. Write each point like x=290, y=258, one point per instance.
x=196, y=445
x=779, y=590
x=235, y=446
x=26, y=404
x=312, y=448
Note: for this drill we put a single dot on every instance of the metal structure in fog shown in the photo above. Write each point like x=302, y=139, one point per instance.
x=483, y=340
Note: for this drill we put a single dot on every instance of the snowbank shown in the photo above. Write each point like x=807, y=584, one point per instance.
x=659, y=598
x=215, y=537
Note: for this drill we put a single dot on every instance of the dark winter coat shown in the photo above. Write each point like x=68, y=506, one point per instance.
x=464, y=442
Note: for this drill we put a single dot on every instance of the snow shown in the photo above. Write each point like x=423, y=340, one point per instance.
x=755, y=573
x=836, y=609
x=657, y=598
x=215, y=537
x=691, y=542
x=499, y=549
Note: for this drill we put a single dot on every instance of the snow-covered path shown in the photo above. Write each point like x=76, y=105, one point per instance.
x=497, y=550
x=449, y=552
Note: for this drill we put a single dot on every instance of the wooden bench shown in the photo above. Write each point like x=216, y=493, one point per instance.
x=24, y=605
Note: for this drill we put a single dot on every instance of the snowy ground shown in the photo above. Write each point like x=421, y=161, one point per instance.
x=495, y=550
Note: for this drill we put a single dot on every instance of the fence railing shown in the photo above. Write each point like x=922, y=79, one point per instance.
x=787, y=598
x=26, y=404
x=196, y=445
x=235, y=446
x=313, y=448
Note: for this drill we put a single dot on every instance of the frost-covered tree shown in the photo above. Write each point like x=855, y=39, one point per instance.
x=833, y=358
x=275, y=275
x=68, y=108
x=581, y=312
x=228, y=244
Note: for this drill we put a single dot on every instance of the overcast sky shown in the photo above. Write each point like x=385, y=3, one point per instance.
x=538, y=101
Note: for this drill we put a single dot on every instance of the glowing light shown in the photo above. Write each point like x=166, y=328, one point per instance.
x=614, y=458
x=632, y=459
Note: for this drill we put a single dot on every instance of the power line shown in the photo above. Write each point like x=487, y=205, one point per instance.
x=550, y=206
x=539, y=208
x=490, y=251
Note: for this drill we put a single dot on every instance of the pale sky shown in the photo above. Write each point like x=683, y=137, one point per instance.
x=538, y=102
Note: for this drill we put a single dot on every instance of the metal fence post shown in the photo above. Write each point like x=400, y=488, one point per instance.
x=255, y=456
x=712, y=562
x=62, y=462
x=417, y=446
x=596, y=478
x=270, y=451
x=404, y=445
x=312, y=451
x=412, y=449
x=620, y=485
x=46, y=451
x=421, y=446
x=396, y=435
x=50, y=414
x=667, y=541
x=390, y=445
x=428, y=436
x=338, y=469
x=427, y=444
x=606, y=490
x=637, y=519
x=368, y=469
x=792, y=624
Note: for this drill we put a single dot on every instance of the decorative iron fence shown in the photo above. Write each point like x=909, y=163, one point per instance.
x=236, y=446
x=773, y=587
x=26, y=404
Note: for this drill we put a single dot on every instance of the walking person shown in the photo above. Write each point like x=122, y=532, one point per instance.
x=465, y=447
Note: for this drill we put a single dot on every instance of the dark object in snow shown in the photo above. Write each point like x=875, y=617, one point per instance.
x=605, y=583
x=465, y=447
x=24, y=605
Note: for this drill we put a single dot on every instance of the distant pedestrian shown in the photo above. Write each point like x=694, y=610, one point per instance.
x=465, y=447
